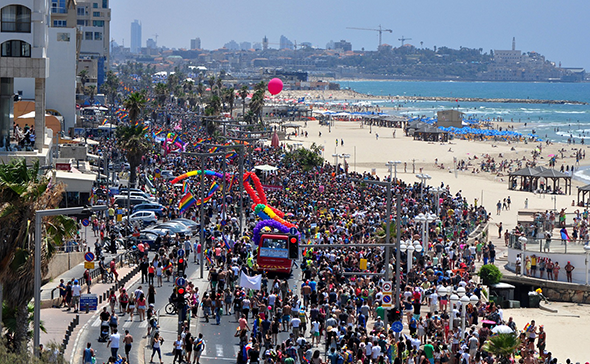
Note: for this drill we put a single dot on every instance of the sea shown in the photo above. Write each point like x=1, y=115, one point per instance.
x=555, y=122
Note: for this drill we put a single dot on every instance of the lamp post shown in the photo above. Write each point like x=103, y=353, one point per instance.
x=39, y=215
x=464, y=302
x=453, y=299
x=345, y=157
x=422, y=177
x=425, y=219
x=410, y=248
x=438, y=191
x=393, y=164
x=336, y=156
x=441, y=291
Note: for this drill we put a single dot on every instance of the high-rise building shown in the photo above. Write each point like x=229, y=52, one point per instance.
x=151, y=44
x=232, y=45
x=285, y=43
x=196, y=43
x=245, y=46
x=135, y=37
x=343, y=46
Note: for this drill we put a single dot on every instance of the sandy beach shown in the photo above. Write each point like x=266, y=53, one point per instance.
x=566, y=328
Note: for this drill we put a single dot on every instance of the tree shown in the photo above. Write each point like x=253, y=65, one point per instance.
x=503, y=346
x=257, y=102
x=90, y=91
x=229, y=96
x=161, y=91
x=83, y=78
x=22, y=192
x=134, y=104
x=243, y=93
x=306, y=159
x=490, y=274
x=109, y=88
x=131, y=139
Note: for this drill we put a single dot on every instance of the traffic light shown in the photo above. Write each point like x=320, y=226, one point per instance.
x=180, y=267
x=293, y=242
x=181, y=291
x=393, y=315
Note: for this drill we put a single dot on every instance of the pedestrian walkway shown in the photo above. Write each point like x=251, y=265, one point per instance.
x=56, y=320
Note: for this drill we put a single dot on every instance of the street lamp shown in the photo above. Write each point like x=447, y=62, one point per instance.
x=394, y=165
x=464, y=302
x=425, y=219
x=438, y=191
x=410, y=248
x=336, y=156
x=441, y=291
x=345, y=157
x=453, y=299
x=423, y=177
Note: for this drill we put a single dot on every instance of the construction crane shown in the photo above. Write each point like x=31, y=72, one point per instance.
x=403, y=39
x=156, y=35
x=380, y=30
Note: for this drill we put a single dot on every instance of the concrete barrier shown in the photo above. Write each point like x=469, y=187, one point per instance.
x=61, y=263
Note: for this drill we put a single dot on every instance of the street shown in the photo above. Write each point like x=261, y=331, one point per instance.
x=220, y=343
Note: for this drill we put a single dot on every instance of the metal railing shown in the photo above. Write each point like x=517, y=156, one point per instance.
x=546, y=245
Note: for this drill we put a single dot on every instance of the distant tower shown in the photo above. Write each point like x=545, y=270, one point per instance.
x=264, y=43
x=136, y=37
x=513, y=43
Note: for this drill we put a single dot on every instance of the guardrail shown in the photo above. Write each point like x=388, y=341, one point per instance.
x=546, y=245
x=75, y=322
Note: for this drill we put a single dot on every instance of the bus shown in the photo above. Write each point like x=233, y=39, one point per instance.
x=276, y=253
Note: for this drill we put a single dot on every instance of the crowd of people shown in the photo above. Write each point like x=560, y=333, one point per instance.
x=334, y=312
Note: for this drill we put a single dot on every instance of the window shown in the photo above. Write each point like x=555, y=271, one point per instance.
x=82, y=22
x=88, y=36
x=16, y=18
x=98, y=23
x=96, y=14
x=95, y=5
x=58, y=6
x=97, y=35
x=105, y=4
x=16, y=48
x=81, y=11
x=60, y=23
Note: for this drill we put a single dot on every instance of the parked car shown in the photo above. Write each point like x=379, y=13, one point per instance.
x=144, y=217
x=145, y=237
x=177, y=228
x=121, y=200
x=187, y=222
x=137, y=192
x=168, y=175
x=154, y=207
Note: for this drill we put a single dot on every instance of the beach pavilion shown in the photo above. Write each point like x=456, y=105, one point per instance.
x=532, y=178
x=429, y=133
x=584, y=200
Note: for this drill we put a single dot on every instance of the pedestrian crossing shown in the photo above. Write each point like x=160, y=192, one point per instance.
x=126, y=324
x=220, y=352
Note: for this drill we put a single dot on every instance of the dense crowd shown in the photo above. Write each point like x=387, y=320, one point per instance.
x=334, y=313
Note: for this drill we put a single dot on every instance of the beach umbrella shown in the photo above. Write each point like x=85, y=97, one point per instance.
x=502, y=329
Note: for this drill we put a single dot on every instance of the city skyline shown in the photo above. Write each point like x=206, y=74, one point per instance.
x=544, y=26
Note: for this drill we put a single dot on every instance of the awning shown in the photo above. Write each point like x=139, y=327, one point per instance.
x=266, y=168
x=76, y=182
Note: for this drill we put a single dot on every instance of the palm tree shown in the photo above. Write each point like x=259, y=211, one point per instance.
x=503, y=346
x=83, y=78
x=134, y=104
x=211, y=82
x=161, y=91
x=243, y=94
x=229, y=96
x=22, y=192
x=90, y=91
x=257, y=102
x=131, y=139
x=110, y=86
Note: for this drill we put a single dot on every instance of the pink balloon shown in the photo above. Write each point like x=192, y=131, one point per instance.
x=275, y=86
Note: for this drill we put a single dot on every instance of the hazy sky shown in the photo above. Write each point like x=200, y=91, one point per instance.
x=556, y=29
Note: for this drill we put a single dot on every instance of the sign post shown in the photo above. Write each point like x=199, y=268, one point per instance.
x=387, y=294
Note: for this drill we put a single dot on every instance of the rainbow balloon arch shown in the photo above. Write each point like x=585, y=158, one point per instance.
x=272, y=218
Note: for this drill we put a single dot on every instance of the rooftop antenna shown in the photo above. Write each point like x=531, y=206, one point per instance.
x=513, y=43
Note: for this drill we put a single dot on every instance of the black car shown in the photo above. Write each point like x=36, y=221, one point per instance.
x=145, y=237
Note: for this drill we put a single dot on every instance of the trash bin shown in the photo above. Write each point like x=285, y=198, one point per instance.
x=534, y=300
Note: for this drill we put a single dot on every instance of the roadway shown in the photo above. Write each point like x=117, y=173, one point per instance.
x=220, y=343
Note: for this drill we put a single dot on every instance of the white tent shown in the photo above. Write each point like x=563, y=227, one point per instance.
x=30, y=115
x=266, y=168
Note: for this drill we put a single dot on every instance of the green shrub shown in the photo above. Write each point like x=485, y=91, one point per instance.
x=490, y=274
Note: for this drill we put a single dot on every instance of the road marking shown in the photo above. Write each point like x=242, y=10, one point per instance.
x=127, y=324
x=217, y=358
x=219, y=350
x=96, y=323
x=236, y=350
x=143, y=324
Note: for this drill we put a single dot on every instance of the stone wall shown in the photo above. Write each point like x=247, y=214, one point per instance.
x=553, y=290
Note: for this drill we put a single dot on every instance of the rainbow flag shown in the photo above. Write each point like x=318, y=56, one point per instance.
x=527, y=327
x=208, y=259
x=184, y=187
x=187, y=201
x=104, y=121
x=226, y=242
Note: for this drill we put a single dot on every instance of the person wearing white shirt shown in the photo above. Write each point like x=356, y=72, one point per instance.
x=375, y=352
x=433, y=301
x=369, y=349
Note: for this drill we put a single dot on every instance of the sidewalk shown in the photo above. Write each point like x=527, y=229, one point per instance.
x=57, y=320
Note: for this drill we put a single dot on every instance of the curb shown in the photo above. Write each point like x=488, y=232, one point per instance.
x=99, y=308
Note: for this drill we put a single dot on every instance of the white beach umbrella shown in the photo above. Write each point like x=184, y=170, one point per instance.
x=502, y=329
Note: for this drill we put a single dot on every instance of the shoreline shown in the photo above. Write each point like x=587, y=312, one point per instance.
x=346, y=94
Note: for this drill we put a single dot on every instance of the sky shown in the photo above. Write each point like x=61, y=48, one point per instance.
x=556, y=29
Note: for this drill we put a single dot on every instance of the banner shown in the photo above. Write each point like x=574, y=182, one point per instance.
x=250, y=282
